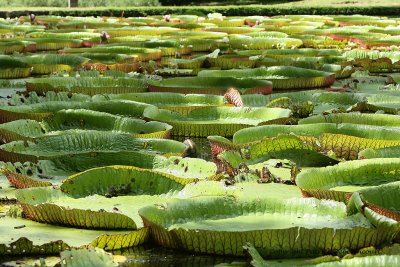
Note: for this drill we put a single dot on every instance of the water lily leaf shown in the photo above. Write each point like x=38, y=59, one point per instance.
x=323, y=102
x=12, y=68
x=210, y=85
x=140, y=54
x=147, y=30
x=345, y=140
x=283, y=146
x=186, y=167
x=336, y=182
x=47, y=205
x=385, y=152
x=315, y=130
x=89, y=144
x=167, y=47
x=360, y=260
x=282, y=77
x=226, y=62
x=51, y=206
x=384, y=102
x=25, y=237
x=86, y=85
x=88, y=119
x=348, y=147
x=182, y=103
x=125, y=190
x=303, y=52
x=376, y=201
x=216, y=120
x=222, y=225
x=49, y=44
x=80, y=119
x=124, y=180
x=11, y=45
x=39, y=111
x=49, y=63
x=23, y=181
x=264, y=43
x=235, y=30
x=355, y=118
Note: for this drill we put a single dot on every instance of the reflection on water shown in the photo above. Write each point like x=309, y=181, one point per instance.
x=157, y=256
x=141, y=256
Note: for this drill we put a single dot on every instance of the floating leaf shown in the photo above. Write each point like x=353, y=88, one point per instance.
x=335, y=182
x=216, y=120
x=222, y=225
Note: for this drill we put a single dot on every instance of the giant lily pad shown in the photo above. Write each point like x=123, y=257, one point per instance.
x=11, y=68
x=39, y=111
x=315, y=130
x=335, y=182
x=140, y=54
x=25, y=237
x=377, y=200
x=264, y=43
x=344, y=140
x=89, y=144
x=86, y=85
x=182, y=103
x=222, y=225
x=130, y=187
x=210, y=85
x=66, y=120
x=135, y=180
x=282, y=77
x=49, y=63
x=355, y=118
x=216, y=120
x=288, y=147
x=94, y=212
x=365, y=257
x=384, y=152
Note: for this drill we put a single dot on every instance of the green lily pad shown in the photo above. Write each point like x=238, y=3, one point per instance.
x=210, y=85
x=25, y=237
x=222, y=225
x=339, y=181
x=216, y=120
x=79, y=119
x=282, y=77
x=80, y=148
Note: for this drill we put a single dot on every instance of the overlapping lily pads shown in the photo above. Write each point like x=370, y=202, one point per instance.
x=92, y=108
x=134, y=187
